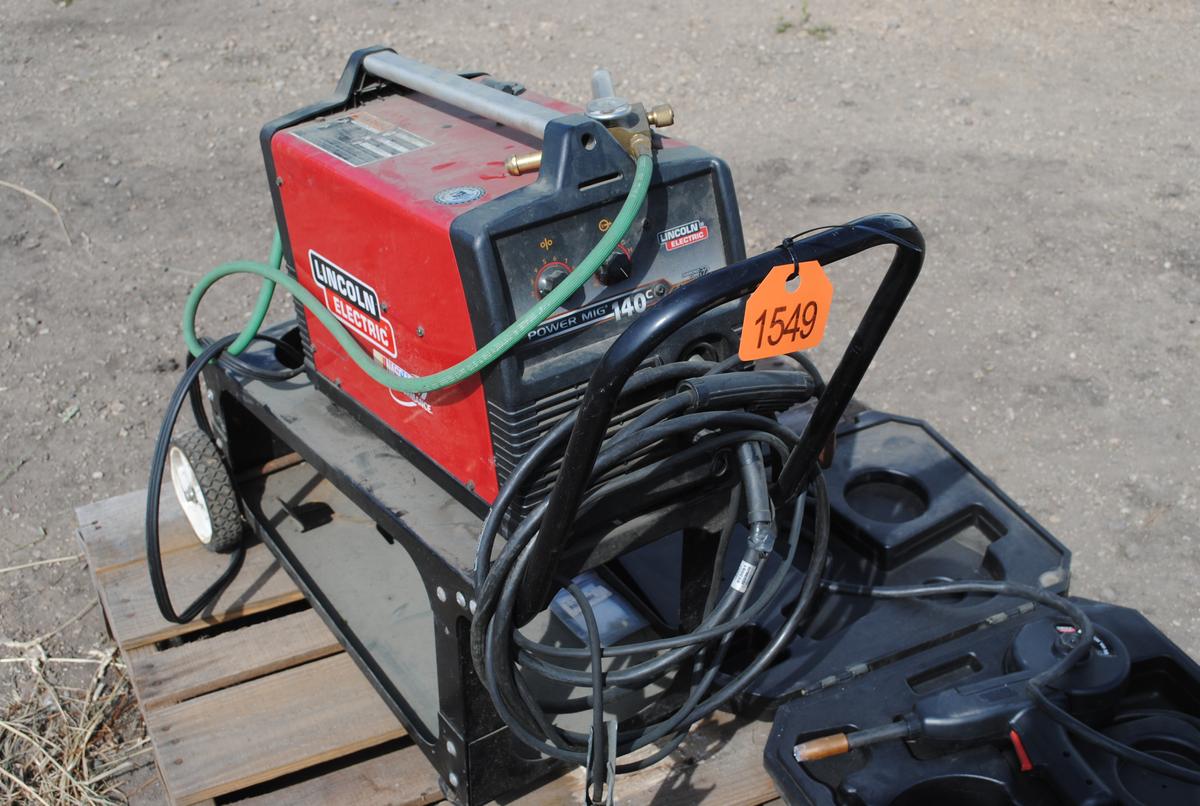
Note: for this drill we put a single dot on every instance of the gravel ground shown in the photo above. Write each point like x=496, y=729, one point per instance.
x=1048, y=151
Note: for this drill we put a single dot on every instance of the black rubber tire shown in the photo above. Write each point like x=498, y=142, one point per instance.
x=212, y=477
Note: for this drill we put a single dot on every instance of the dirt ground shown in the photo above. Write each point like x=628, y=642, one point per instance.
x=1048, y=150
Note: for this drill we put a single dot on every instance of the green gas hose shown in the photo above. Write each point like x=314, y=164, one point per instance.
x=273, y=275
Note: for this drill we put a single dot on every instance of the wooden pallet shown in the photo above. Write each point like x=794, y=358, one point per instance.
x=256, y=702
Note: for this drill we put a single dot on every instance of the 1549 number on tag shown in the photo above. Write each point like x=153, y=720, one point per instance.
x=782, y=320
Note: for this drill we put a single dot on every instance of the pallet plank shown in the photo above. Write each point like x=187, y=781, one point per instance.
x=192, y=669
x=113, y=530
x=259, y=730
x=112, y=534
x=133, y=614
x=400, y=777
x=719, y=763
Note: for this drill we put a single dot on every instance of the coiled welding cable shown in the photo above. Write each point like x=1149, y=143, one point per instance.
x=494, y=638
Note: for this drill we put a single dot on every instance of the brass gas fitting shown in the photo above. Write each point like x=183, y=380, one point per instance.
x=519, y=164
x=661, y=115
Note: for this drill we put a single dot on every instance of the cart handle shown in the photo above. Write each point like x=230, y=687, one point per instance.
x=717, y=288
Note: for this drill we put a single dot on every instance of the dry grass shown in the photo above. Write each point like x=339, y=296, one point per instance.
x=73, y=730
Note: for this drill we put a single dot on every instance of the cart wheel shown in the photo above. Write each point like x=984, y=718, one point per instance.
x=204, y=491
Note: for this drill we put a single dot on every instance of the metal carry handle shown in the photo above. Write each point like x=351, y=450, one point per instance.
x=491, y=103
x=708, y=292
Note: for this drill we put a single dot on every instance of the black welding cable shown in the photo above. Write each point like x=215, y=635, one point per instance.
x=993, y=588
x=650, y=669
x=236, y=364
x=709, y=668
x=726, y=364
x=494, y=613
x=162, y=445
x=690, y=712
x=496, y=657
x=686, y=715
x=536, y=457
x=498, y=572
x=1046, y=677
x=1106, y=743
x=731, y=521
x=635, y=739
x=809, y=366
x=637, y=674
x=541, y=451
x=650, y=735
x=701, y=633
x=597, y=761
x=646, y=671
x=800, y=610
x=724, y=631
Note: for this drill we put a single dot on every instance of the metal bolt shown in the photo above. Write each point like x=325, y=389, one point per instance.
x=472, y=607
x=441, y=593
x=383, y=306
x=451, y=748
x=462, y=600
x=278, y=181
x=453, y=780
x=420, y=331
x=471, y=486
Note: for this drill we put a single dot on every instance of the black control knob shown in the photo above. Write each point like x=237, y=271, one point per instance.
x=617, y=268
x=550, y=276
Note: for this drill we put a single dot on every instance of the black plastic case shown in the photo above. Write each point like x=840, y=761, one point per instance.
x=1158, y=712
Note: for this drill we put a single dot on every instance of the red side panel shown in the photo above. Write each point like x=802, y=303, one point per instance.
x=372, y=241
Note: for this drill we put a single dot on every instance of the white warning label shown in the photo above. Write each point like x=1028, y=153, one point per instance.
x=361, y=139
x=741, y=580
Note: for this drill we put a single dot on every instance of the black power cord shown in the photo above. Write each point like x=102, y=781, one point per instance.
x=188, y=388
x=158, y=582
x=711, y=413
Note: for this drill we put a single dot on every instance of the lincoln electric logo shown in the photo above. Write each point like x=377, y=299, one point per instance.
x=683, y=235
x=354, y=302
x=345, y=285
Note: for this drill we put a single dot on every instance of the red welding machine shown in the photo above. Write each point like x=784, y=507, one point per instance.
x=415, y=216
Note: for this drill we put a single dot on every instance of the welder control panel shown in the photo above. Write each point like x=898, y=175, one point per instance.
x=679, y=240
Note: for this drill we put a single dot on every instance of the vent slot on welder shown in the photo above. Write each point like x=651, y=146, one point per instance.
x=514, y=434
x=600, y=180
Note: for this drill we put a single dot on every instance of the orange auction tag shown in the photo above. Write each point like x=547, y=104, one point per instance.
x=781, y=320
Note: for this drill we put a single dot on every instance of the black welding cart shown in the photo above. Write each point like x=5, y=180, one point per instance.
x=386, y=556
